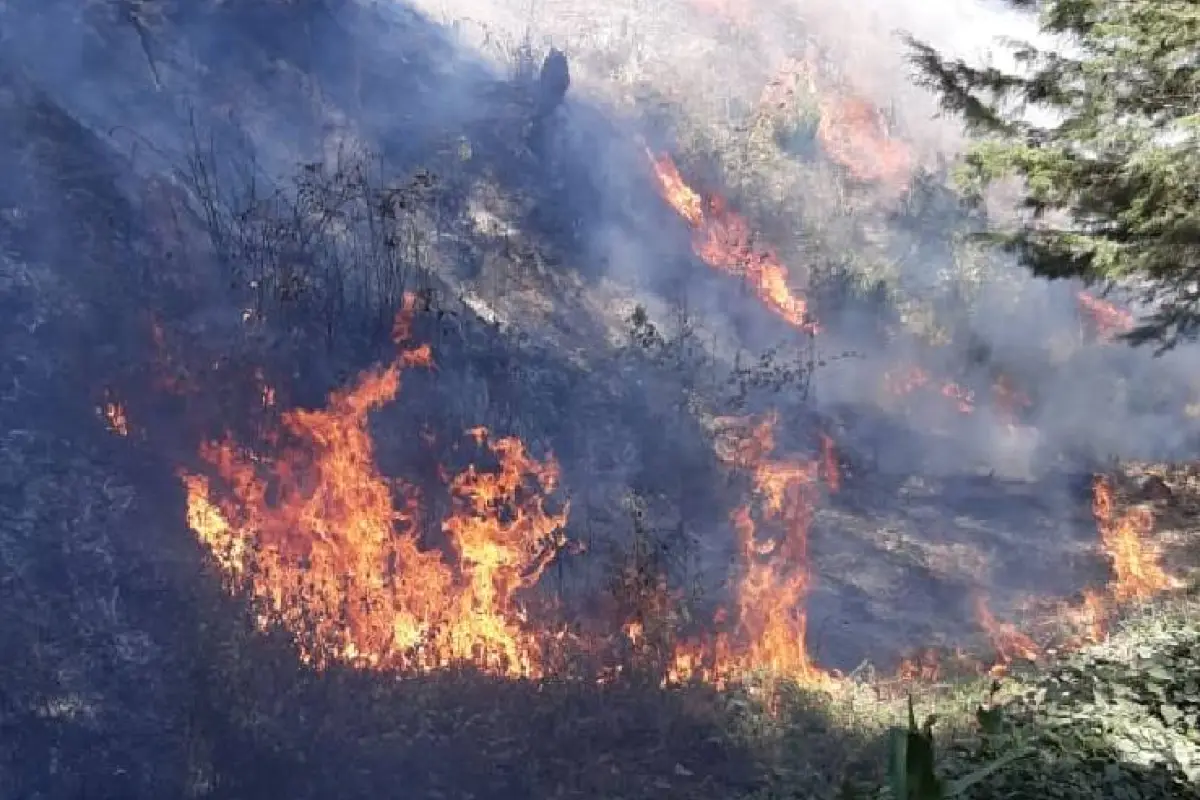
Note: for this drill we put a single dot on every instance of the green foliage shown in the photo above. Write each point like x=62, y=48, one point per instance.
x=1101, y=126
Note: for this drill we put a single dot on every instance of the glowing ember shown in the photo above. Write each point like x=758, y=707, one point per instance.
x=902, y=382
x=723, y=240
x=1009, y=400
x=266, y=392
x=829, y=464
x=317, y=531
x=925, y=667
x=1107, y=319
x=172, y=377
x=114, y=416
x=1137, y=571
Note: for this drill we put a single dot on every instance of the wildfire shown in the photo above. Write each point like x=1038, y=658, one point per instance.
x=1137, y=571
x=924, y=667
x=723, y=239
x=1108, y=320
x=771, y=621
x=902, y=382
x=852, y=131
x=172, y=377
x=1009, y=642
x=1008, y=399
x=317, y=532
x=341, y=554
x=1089, y=618
x=115, y=418
x=1137, y=576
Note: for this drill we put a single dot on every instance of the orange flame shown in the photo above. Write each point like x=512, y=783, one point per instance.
x=172, y=376
x=829, y=462
x=901, y=382
x=115, y=417
x=1137, y=571
x=317, y=532
x=265, y=391
x=1010, y=643
x=771, y=622
x=852, y=131
x=924, y=667
x=1089, y=618
x=1108, y=320
x=1137, y=576
x=723, y=240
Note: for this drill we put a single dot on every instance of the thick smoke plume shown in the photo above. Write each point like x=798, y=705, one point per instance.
x=710, y=61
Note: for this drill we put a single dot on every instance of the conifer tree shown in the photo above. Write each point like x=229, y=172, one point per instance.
x=1104, y=133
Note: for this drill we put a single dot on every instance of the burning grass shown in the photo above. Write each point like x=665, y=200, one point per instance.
x=339, y=561
x=331, y=554
x=335, y=566
x=386, y=643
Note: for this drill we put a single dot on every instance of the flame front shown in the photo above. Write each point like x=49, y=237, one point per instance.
x=1137, y=575
x=1136, y=563
x=723, y=240
x=1009, y=643
x=317, y=532
x=771, y=623
x=337, y=552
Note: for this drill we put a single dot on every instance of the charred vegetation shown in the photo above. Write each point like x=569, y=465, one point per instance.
x=375, y=418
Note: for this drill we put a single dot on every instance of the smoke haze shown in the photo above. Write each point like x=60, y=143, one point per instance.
x=433, y=82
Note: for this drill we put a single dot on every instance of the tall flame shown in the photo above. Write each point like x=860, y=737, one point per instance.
x=854, y=133
x=771, y=623
x=1137, y=575
x=1136, y=562
x=317, y=532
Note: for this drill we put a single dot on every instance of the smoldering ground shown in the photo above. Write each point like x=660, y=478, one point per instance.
x=538, y=259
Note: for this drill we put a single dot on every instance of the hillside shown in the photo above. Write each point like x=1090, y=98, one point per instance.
x=374, y=421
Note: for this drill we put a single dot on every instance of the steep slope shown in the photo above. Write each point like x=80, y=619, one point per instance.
x=213, y=213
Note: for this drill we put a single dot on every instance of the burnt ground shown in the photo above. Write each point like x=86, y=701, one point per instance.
x=134, y=675
x=131, y=674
